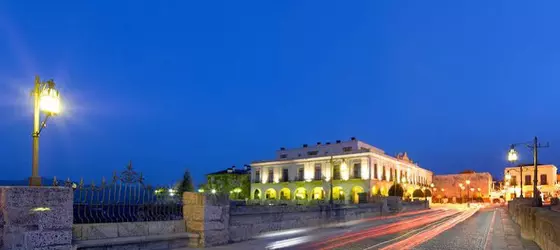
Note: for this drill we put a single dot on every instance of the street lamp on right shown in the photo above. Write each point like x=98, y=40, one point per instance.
x=513, y=156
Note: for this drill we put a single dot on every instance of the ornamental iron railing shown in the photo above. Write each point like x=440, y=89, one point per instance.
x=126, y=198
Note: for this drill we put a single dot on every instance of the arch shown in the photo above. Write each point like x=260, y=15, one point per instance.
x=318, y=193
x=285, y=194
x=300, y=193
x=338, y=193
x=396, y=190
x=383, y=191
x=356, y=190
x=257, y=194
x=270, y=194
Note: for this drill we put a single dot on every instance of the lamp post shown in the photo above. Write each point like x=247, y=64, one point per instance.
x=46, y=99
x=534, y=146
x=468, y=182
x=472, y=190
x=461, y=191
x=513, y=157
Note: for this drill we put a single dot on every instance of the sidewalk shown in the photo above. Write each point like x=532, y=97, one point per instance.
x=505, y=234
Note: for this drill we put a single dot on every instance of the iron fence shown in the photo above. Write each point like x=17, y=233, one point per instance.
x=126, y=198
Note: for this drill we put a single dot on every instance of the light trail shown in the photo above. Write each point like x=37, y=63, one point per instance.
x=383, y=230
x=426, y=235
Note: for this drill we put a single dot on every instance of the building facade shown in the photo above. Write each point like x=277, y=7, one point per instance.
x=232, y=181
x=465, y=186
x=546, y=181
x=352, y=168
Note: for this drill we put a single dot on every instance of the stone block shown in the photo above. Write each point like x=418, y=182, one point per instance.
x=128, y=229
x=77, y=231
x=14, y=241
x=215, y=238
x=213, y=213
x=180, y=226
x=181, y=243
x=32, y=197
x=99, y=231
x=56, y=218
x=60, y=247
x=47, y=238
x=161, y=227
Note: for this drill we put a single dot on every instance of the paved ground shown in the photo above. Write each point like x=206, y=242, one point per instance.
x=487, y=229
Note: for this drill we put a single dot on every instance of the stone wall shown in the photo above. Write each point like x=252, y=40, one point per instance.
x=247, y=222
x=137, y=235
x=541, y=225
x=35, y=218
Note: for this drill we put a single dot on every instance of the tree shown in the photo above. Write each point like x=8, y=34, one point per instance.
x=396, y=190
x=418, y=193
x=186, y=185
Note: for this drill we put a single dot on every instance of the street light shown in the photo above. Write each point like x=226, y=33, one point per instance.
x=472, y=190
x=46, y=99
x=513, y=156
x=468, y=182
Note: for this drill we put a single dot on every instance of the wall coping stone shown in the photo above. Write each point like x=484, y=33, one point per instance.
x=134, y=239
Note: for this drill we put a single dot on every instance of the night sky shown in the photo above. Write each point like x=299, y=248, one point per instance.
x=209, y=84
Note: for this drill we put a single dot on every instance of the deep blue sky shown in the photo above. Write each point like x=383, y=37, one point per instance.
x=209, y=84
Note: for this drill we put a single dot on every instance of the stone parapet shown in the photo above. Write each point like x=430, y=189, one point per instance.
x=208, y=216
x=538, y=224
x=36, y=218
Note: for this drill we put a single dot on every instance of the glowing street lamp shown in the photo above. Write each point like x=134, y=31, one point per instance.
x=46, y=99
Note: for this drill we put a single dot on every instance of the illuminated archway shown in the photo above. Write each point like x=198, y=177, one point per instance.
x=257, y=194
x=300, y=193
x=356, y=190
x=318, y=193
x=338, y=193
x=270, y=194
x=384, y=191
x=375, y=191
x=285, y=194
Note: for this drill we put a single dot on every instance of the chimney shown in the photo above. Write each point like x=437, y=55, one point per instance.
x=318, y=143
x=337, y=141
x=353, y=138
x=282, y=149
x=305, y=145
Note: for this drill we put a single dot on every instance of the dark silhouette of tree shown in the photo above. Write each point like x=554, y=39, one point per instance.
x=396, y=190
x=186, y=185
x=417, y=193
x=428, y=193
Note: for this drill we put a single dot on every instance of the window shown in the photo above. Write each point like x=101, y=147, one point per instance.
x=543, y=180
x=300, y=174
x=357, y=170
x=527, y=180
x=347, y=149
x=383, y=175
x=317, y=174
x=514, y=180
x=336, y=172
x=390, y=174
x=312, y=152
x=375, y=171
x=283, y=156
x=270, y=175
x=257, y=175
x=285, y=175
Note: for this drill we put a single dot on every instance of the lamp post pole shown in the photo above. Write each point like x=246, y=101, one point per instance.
x=45, y=98
x=35, y=179
x=331, y=202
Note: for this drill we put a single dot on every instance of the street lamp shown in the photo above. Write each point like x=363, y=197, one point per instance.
x=468, y=182
x=472, y=190
x=513, y=156
x=46, y=99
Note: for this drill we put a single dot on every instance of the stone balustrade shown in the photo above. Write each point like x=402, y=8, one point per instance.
x=539, y=224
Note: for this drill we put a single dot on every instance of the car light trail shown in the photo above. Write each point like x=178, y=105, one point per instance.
x=383, y=230
x=430, y=233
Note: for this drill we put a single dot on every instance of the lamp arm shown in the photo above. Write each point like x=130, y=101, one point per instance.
x=43, y=124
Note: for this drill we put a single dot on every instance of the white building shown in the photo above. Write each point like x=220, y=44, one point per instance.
x=546, y=181
x=355, y=168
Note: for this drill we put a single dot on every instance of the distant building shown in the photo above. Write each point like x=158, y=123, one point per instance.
x=467, y=184
x=355, y=168
x=546, y=181
x=233, y=181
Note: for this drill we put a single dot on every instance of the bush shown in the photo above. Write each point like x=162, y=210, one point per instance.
x=428, y=192
x=396, y=190
x=417, y=193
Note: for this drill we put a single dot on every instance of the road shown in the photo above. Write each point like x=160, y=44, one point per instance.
x=438, y=228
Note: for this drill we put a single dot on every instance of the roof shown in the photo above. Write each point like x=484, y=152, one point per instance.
x=232, y=171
